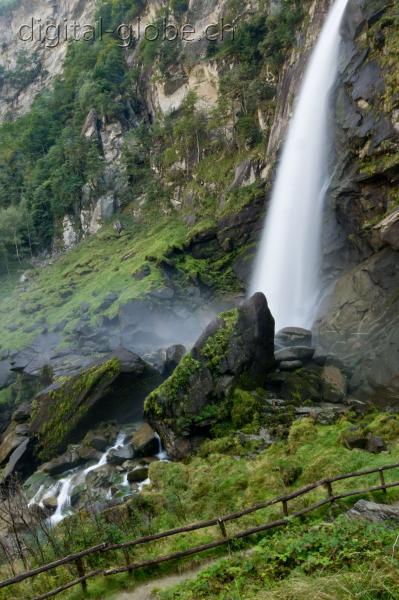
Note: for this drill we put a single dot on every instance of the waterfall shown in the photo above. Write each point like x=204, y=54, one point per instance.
x=64, y=487
x=288, y=264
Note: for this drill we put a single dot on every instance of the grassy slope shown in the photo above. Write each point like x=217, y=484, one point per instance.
x=228, y=476
x=106, y=263
x=101, y=264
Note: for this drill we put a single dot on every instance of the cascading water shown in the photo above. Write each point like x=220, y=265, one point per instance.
x=65, y=486
x=287, y=269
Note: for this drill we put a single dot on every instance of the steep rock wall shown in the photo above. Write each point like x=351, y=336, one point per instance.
x=360, y=314
x=46, y=62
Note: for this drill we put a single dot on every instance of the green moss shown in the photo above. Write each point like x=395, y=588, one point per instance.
x=245, y=409
x=61, y=410
x=215, y=348
x=6, y=397
x=176, y=386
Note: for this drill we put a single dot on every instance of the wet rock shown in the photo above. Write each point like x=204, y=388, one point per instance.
x=119, y=455
x=373, y=512
x=294, y=353
x=63, y=463
x=22, y=461
x=78, y=493
x=89, y=454
x=50, y=503
x=129, y=465
x=138, y=474
x=174, y=354
x=96, y=441
x=145, y=441
x=11, y=441
x=290, y=365
x=103, y=477
x=334, y=384
x=35, y=481
x=293, y=336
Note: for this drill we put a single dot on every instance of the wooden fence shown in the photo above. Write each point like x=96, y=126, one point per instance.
x=219, y=522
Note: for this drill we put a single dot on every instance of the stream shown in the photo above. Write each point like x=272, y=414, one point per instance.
x=64, y=488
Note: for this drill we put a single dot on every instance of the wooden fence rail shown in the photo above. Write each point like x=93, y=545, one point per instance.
x=83, y=577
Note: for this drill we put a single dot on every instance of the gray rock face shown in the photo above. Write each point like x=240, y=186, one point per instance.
x=361, y=325
x=387, y=231
x=174, y=354
x=294, y=353
x=293, y=336
x=359, y=319
x=334, y=384
x=373, y=512
x=290, y=365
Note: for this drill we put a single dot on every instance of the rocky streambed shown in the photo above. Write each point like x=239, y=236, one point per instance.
x=105, y=469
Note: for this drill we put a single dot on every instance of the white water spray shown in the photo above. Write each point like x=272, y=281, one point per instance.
x=287, y=269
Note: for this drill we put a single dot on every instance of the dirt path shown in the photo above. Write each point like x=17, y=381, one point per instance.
x=144, y=592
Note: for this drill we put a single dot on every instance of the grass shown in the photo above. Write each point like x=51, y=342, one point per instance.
x=86, y=274
x=340, y=560
x=228, y=475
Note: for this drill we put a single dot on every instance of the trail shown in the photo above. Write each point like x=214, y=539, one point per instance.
x=145, y=591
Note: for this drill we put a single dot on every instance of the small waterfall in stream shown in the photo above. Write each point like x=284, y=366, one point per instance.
x=64, y=487
x=288, y=264
x=67, y=484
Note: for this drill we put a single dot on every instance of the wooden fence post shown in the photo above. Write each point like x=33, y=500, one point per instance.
x=222, y=528
x=329, y=489
x=127, y=559
x=285, y=508
x=382, y=479
x=81, y=573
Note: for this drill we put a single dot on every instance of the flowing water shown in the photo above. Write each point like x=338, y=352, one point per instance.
x=64, y=487
x=288, y=264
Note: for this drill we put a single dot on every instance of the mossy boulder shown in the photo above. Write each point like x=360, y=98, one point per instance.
x=237, y=347
x=112, y=388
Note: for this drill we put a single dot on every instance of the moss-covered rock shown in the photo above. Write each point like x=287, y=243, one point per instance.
x=114, y=387
x=237, y=347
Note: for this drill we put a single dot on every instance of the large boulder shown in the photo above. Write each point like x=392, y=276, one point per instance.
x=22, y=461
x=111, y=388
x=144, y=441
x=373, y=512
x=11, y=440
x=237, y=345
